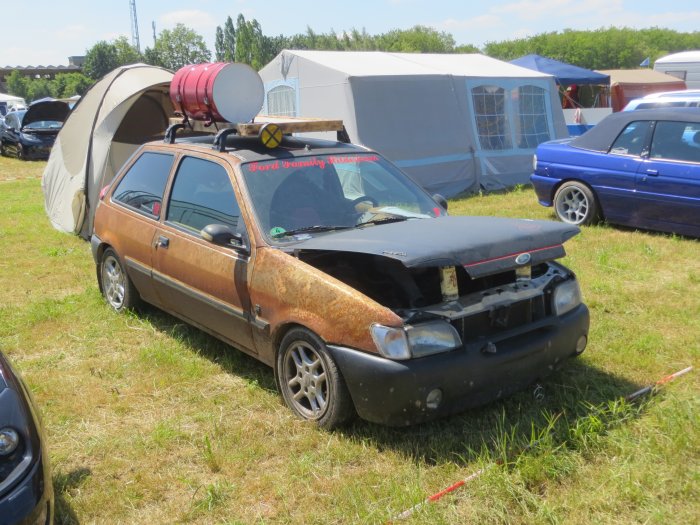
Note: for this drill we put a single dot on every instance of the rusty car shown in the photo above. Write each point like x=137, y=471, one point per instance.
x=326, y=262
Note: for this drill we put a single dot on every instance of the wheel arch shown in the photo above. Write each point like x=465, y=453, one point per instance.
x=98, y=250
x=555, y=189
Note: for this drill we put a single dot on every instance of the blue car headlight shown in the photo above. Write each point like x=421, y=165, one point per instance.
x=566, y=297
x=9, y=441
x=417, y=340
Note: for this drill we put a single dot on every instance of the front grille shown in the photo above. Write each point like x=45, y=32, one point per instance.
x=500, y=319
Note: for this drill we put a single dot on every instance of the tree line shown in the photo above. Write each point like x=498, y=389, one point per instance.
x=244, y=41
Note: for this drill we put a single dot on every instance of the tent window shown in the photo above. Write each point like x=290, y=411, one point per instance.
x=490, y=113
x=532, y=110
x=281, y=101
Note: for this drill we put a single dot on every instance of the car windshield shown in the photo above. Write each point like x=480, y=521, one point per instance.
x=44, y=124
x=297, y=197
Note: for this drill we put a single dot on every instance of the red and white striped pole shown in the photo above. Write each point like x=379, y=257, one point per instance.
x=662, y=381
x=431, y=499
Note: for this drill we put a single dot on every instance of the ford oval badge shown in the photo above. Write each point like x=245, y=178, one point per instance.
x=523, y=258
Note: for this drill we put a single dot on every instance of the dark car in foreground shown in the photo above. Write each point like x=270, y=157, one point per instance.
x=26, y=491
x=635, y=168
x=30, y=134
x=326, y=262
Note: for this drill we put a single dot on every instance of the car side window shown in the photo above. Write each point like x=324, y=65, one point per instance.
x=202, y=194
x=632, y=139
x=676, y=141
x=143, y=185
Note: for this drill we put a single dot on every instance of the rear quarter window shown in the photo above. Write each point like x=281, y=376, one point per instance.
x=632, y=139
x=143, y=185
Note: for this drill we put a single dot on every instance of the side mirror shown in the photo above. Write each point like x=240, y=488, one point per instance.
x=442, y=201
x=222, y=235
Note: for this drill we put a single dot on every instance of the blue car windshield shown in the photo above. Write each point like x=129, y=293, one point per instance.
x=320, y=193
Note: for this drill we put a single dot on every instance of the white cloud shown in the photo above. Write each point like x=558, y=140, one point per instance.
x=477, y=22
x=71, y=32
x=200, y=21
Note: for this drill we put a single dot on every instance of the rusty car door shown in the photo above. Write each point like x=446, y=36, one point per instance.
x=204, y=283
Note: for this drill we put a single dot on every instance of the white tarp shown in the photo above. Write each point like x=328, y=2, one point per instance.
x=126, y=108
x=11, y=100
x=453, y=122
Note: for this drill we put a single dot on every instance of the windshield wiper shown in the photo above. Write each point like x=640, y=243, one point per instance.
x=308, y=229
x=383, y=220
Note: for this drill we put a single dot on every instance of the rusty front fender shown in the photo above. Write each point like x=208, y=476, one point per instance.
x=286, y=291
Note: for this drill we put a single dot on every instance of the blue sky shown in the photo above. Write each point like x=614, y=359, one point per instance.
x=46, y=32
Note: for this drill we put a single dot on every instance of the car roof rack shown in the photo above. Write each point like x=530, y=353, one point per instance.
x=285, y=125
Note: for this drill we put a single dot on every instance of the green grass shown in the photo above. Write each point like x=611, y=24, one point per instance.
x=151, y=421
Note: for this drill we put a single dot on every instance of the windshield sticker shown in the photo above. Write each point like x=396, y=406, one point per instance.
x=277, y=231
x=309, y=162
x=352, y=160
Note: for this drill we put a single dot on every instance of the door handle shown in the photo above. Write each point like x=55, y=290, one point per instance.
x=653, y=173
x=162, y=242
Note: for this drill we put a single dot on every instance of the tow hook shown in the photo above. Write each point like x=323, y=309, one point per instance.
x=538, y=393
x=489, y=348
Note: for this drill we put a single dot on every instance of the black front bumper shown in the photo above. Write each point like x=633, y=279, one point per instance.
x=394, y=392
x=31, y=502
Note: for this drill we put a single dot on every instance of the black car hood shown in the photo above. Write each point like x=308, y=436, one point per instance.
x=483, y=245
x=47, y=110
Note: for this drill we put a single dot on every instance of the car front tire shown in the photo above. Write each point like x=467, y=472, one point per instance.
x=575, y=203
x=115, y=284
x=310, y=381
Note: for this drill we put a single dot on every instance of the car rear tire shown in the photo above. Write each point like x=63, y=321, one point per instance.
x=310, y=381
x=115, y=284
x=575, y=203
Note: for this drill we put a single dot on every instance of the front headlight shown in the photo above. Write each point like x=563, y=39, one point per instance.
x=534, y=163
x=567, y=296
x=9, y=441
x=31, y=139
x=418, y=340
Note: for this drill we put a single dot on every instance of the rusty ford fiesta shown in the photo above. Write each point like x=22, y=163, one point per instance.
x=324, y=261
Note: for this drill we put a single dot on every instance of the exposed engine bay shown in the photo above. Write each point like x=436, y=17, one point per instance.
x=485, y=305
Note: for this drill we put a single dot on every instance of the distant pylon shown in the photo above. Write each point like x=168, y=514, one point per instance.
x=134, y=26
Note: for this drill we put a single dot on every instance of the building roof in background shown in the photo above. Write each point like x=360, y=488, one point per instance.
x=41, y=68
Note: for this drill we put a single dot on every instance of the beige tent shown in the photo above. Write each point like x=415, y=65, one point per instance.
x=126, y=108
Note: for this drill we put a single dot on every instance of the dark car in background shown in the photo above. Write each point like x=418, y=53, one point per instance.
x=31, y=133
x=635, y=168
x=26, y=490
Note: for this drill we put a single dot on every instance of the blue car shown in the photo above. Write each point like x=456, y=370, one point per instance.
x=635, y=168
x=26, y=490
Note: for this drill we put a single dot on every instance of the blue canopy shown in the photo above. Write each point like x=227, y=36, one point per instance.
x=563, y=73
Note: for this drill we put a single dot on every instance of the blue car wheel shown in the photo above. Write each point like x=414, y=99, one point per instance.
x=575, y=203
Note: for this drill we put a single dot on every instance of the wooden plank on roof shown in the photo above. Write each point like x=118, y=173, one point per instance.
x=289, y=125
x=286, y=124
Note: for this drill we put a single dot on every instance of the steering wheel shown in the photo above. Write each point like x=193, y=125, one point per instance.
x=364, y=198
